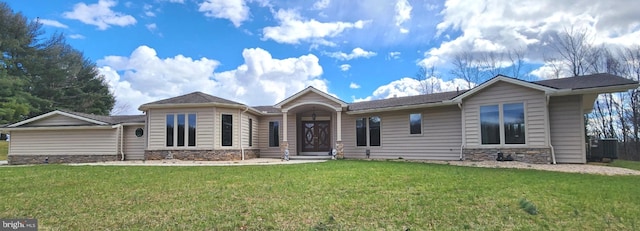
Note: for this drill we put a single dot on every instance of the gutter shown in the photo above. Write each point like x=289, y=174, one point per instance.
x=57, y=128
x=192, y=105
x=553, y=153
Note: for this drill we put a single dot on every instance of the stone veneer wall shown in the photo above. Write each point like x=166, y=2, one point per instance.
x=527, y=155
x=59, y=159
x=202, y=155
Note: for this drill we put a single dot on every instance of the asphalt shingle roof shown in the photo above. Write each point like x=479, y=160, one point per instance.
x=194, y=97
x=403, y=101
x=586, y=81
x=267, y=109
x=117, y=119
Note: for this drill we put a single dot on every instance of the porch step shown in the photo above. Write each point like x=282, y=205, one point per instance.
x=325, y=157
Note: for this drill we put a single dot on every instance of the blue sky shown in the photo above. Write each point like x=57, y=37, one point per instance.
x=259, y=52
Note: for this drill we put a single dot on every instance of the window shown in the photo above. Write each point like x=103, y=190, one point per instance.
x=490, y=124
x=181, y=124
x=192, y=129
x=170, y=123
x=513, y=115
x=185, y=130
x=415, y=123
x=374, y=131
x=250, y=132
x=274, y=134
x=361, y=132
x=227, y=130
x=505, y=122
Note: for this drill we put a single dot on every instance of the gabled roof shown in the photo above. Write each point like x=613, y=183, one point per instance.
x=90, y=118
x=586, y=81
x=307, y=90
x=499, y=78
x=191, y=98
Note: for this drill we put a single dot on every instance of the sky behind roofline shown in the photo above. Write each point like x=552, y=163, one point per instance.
x=258, y=52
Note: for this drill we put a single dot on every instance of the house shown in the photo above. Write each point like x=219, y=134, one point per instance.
x=535, y=122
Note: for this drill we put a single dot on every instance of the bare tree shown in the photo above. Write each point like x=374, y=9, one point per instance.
x=428, y=79
x=573, y=47
x=466, y=66
x=492, y=63
x=516, y=57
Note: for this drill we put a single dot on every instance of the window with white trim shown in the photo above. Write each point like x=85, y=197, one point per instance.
x=373, y=125
x=415, y=123
x=184, y=131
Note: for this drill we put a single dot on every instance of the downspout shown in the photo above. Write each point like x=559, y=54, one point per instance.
x=553, y=153
x=122, y=142
x=463, y=130
x=241, y=135
x=119, y=144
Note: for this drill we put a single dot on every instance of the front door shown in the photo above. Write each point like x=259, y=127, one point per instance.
x=316, y=136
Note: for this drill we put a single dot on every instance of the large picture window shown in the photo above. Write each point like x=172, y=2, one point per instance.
x=361, y=132
x=170, y=127
x=415, y=123
x=274, y=134
x=502, y=124
x=513, y=123
x=227, y=130
x=181, y=128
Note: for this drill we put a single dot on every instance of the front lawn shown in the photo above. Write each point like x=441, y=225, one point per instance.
x=336, y=195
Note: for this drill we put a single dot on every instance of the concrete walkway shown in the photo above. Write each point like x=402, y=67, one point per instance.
x=257, y=161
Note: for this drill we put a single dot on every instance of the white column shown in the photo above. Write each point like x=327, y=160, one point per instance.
x=339, y=124
x=284, y=126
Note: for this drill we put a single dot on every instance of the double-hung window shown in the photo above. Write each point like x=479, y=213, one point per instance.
x=502, y=124
x=227, y=130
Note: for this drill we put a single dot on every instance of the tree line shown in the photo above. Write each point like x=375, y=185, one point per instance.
x=41, y=73
x=570, y=53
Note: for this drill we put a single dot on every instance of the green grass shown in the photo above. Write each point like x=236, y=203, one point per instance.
x=4, y=150
x=336, y=195
x=635, y=165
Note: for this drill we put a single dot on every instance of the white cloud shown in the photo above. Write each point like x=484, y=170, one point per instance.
x=151, y=27
x=293, y=29
x=100, y=15
x=321, y=4
x=53, y=23
x=499, y=26
x=76, y=36
x=355, y=53
x=354, y=85
x=262, y=80
x=394, y=55
x=345, y=67
x=403, y=14
x=410, y=86
x=148, y=10
x=235, y=11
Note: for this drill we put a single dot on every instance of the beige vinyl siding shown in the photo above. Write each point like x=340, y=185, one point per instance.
x=292, y=128
x=64, y=142
x=311, y=97
x=57, y=120
x=440, y=139
x=133, y=146
x=505, y=93
x=204, y=128
x=567, y=129
x=263, y=140
x=245, y=130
